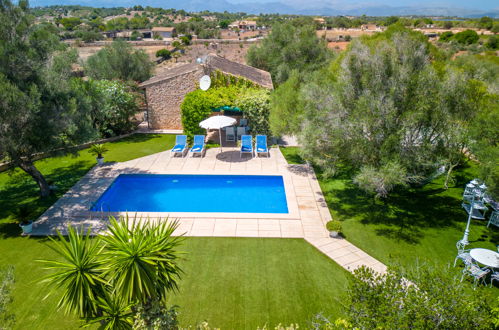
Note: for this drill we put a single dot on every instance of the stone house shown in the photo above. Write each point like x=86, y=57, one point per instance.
x=165, y=92
x=243, y=25
x=164, y=32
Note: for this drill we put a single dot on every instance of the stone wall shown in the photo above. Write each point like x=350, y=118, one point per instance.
x=164, y=99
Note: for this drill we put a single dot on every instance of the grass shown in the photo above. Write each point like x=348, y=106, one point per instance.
x=18, y=188
x=232, y=283
x=292, y=155
x=413, y=224
x=242, y=283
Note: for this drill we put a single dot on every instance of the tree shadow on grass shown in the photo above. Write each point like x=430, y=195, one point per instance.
x=404, y=215
x=21, y=189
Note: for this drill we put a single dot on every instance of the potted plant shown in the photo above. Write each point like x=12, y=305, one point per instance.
x=334, y=227
x=98, y=150
x=23, y=213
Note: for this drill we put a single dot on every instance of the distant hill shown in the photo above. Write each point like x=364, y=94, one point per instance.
x=276, y=7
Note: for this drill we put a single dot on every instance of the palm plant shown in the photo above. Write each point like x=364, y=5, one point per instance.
x=141, y=258
x=98, y=150
x=105, y=278
x=78, y=275
x=115, y=313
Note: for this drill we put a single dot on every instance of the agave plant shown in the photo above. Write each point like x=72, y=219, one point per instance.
x=78, y=275
x=141, y=258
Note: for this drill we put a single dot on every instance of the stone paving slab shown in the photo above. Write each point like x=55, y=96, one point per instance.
x=308, y=211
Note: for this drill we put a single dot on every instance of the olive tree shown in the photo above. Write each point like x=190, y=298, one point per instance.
x=37, y=104
x=119, y=61
x=289, y=47
x=433, y=300
x=387, y=112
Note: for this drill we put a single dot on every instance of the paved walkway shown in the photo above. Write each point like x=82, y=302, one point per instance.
x=307, y=216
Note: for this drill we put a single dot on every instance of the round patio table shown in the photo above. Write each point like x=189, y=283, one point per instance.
x=486, y=257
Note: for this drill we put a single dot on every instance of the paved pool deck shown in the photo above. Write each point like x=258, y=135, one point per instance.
x=308, y=211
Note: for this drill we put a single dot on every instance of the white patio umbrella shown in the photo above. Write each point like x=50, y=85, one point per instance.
x=218, y=122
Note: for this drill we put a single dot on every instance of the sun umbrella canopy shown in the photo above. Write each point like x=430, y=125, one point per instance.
x=217, y=122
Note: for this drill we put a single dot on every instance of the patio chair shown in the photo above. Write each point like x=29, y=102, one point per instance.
x=462, y=254
x=180, y=145
x=243, y=122
x=230, y=134
x=469, y=190
x=494, y=219
x=494, y=277
x=261, y=145
x=478, y=274
x=246, y=145
x=198, y=147
x=465, y=256
x=240, y=132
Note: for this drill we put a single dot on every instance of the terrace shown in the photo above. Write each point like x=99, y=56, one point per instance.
x=307, y=216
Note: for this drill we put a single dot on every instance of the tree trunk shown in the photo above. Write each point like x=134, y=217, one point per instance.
x=28, y=167
x=448, y=176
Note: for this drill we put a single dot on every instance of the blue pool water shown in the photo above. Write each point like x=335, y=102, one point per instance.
x=194, y=193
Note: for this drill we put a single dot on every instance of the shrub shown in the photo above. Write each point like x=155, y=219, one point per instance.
x=255, y=103
x=467, y=37
x=155, y=316
x=135, y=35
x=111, y=104
x=6, y=285
x=380, y=181
x=164, y=53
x=334, y=225
x=492, y=43
x=196, y=107
x=185, y=40
x=438, y=300
x=446, y=36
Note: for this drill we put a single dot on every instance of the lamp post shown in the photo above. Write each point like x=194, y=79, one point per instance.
x=464, y=240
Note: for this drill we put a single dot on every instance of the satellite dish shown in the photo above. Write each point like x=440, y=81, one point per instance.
x=205, y=82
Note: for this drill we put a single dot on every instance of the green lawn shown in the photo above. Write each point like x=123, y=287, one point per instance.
x=234, y=283
x=16, y=187
x=242, y=283
x=229, y=282
x=416, y=224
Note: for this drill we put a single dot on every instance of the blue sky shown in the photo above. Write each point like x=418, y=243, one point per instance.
x=477, y=5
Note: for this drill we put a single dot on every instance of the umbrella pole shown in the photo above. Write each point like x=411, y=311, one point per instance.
x=220, y=136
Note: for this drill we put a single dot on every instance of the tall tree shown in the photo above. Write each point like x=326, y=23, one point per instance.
x=290, y=46
x=388, y=113
x=119, y=61
x=37, y=105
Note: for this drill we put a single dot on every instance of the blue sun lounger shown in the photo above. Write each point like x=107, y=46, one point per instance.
x=261, y=145
x=180, y=145
x=246, y=145
x=198, y=148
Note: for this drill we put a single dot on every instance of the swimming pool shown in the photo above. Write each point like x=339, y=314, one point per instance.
x=194, y=193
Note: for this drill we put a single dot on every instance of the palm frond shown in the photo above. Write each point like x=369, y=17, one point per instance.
x=78, y=275
x=142, y=257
